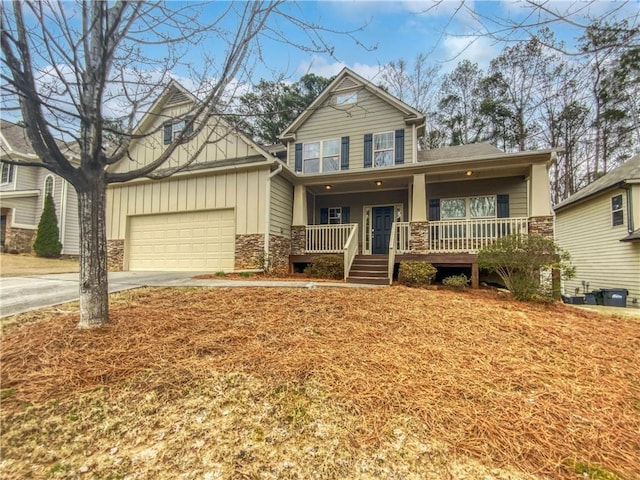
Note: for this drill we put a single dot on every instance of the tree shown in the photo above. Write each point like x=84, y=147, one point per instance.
x=75, y=71
x=47, y=242
x=460, y=103
x=271, y=106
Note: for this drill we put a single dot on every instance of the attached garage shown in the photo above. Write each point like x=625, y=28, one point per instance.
x=186, y=241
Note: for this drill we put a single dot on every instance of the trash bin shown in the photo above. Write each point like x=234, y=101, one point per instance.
x=599, y=297
x=615, y=297
x=590, y=298
x=573, y=300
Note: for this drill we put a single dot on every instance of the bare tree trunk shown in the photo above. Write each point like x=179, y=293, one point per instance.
x=94, y=293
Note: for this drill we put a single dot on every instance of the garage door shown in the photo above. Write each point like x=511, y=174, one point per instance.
x=189, y=241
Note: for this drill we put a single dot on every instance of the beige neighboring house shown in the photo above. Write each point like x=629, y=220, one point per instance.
x=600, y=227
x=22, y=193
x=349, y=179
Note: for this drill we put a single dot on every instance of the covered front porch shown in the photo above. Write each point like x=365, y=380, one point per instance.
x=444, y=219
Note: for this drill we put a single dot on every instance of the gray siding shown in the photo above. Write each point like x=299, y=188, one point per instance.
x=369, y=114
x=586, y=232
x=515, y=187
x=71, y=240
x=26, y=211
x=281, y=207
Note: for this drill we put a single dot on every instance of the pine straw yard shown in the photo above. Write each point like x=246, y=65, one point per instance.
x=322, y=383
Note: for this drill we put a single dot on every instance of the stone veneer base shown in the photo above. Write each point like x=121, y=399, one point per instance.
x=115, y=255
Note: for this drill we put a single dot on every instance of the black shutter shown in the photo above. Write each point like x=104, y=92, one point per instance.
x=434, y=209
x=168, y=129
x=344, y=154
x=324, y=216
x=503, y=206
x=346, y=215
x=368, y=150
x=188, y=129
x=298, y=157
x=399, y=147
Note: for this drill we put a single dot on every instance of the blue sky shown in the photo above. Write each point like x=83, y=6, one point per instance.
x=403, y=29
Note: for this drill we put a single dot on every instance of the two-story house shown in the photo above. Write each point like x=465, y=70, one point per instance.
x=22, y=193
x=350, y=180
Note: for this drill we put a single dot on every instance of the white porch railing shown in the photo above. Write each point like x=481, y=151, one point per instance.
x=350, y=250
x=328, y=238
x=402, y=232
x=470, y=235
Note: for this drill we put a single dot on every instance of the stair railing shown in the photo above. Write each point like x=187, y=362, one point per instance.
x=350, y=250
x=392, y=252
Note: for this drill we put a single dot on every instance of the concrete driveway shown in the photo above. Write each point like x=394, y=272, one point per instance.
x=21, y=294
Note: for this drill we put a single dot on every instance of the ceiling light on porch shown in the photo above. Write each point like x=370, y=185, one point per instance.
x=378, y=183
x=468, y=173
x=327, y=187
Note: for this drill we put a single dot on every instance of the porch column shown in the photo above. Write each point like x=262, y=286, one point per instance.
x=419, y=226
x=300, y=205
x=540, y=215
x=299, y=221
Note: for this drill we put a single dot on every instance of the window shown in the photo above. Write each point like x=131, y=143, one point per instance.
x=335, y=215
x=617, y=217
x=383, y=149
x=172, y=130
x=346, y=98
x=7, y=172
x=453, y=208
x=327, y=150
x=478, y=207
x=48, y=187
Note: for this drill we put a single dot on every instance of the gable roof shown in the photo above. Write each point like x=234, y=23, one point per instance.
x=348, y=79
x=13, y=138
x=628, y=172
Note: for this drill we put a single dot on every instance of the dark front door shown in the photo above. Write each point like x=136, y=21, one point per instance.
x=382, y=221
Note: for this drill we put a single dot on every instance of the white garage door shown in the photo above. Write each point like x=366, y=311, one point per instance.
x=189, y=241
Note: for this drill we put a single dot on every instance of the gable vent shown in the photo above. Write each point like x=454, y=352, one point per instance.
x=177, y=97
x=347, y=83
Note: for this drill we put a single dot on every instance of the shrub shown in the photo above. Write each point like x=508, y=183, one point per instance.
x=458, y=282
x=520, y=260
x=326, y=266
x=416, y=274
x=47, y=243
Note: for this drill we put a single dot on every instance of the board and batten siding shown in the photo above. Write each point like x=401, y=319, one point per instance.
x=243, y=191
x=600, y=258
x=281, y=207
x=222, y=144
x=369, y=114
x=515, y=187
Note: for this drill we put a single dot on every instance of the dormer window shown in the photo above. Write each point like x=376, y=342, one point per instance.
x=346, y=98
x=173, y=129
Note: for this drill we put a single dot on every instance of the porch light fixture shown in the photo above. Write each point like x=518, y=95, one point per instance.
x=327, y=187
x=378, y=183
x=468, y=173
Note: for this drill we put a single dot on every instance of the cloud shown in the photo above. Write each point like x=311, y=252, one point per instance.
x=480, y=50
x=320, y=66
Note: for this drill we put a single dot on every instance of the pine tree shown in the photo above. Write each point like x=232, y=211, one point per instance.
x=47, y=242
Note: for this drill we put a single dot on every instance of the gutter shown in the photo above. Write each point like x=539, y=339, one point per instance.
x=628, y=189
x=267, y=214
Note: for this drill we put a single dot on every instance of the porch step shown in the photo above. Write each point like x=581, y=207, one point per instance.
x=369, y=269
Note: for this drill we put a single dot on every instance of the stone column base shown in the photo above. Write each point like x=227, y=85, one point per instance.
x=541, y=226
x=249, y=252
x=419, y=237
x=298, y=240
x=279, y=249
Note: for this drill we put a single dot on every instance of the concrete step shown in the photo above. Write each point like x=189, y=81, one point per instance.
x=368, y=272
x=368, y=280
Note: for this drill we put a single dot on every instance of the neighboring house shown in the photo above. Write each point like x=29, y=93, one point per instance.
x=349, y=180
x=600, y=227
x=22, y=193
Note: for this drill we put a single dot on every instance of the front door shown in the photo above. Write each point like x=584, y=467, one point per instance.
x=382, y=222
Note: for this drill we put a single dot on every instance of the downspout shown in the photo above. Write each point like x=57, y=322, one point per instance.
x=63, y=213
x=630, y=225
x=267, y=214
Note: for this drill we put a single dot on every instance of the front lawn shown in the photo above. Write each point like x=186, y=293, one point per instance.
x=322, y=383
